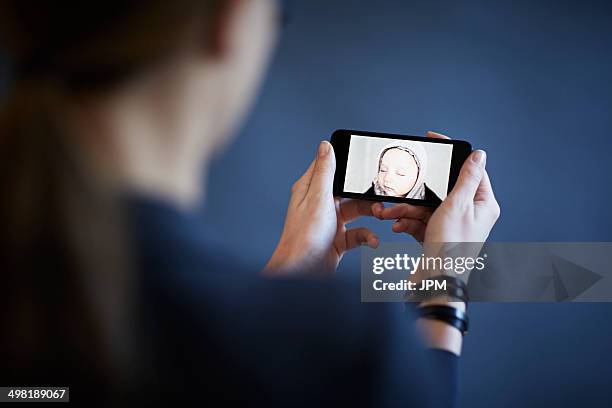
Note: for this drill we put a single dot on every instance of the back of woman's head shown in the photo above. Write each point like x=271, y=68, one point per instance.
x=97, y=43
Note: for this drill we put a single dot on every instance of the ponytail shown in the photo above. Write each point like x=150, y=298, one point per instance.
x=46, y=309
x=27, y=129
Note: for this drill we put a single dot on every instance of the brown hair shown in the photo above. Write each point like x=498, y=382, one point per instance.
x=56, y=226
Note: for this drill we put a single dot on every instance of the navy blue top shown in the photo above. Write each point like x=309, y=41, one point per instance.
x=220, y=331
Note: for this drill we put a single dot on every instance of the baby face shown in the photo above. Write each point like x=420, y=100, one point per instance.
x=398, y=173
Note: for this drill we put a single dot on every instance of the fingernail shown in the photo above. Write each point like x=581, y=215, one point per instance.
x=377, y=209
x=479, y=157
x=375, y=241
x=370, y=241
x=323, y=148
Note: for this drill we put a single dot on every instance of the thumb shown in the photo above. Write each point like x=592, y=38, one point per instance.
x=469, y=178
x=322, y=181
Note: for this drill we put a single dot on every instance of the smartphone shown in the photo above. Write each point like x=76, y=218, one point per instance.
x=396, y=168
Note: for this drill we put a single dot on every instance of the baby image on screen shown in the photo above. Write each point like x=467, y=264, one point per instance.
x=397, y=168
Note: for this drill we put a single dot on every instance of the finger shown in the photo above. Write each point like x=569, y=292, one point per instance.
x=413, y=227
x=350, y=210
x=377, y=209
x=361, y=236
x=485, y=198
x=322, y=181
x=484, y=192
x=469, y=178
x=300, y=187
x=406, y=211
x=436, y=135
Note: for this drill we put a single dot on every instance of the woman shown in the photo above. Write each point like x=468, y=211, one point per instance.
x=116, y=110
x=402, y=168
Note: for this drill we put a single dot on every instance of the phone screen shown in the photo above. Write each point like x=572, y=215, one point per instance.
x=400, y=168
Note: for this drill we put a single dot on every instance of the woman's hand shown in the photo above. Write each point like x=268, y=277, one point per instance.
x=315, y=236
x=466, y=215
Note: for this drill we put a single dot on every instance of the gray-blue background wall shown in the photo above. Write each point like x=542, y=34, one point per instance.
x=528, y=81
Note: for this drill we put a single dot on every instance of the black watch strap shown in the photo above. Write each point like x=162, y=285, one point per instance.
x=448, y=314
